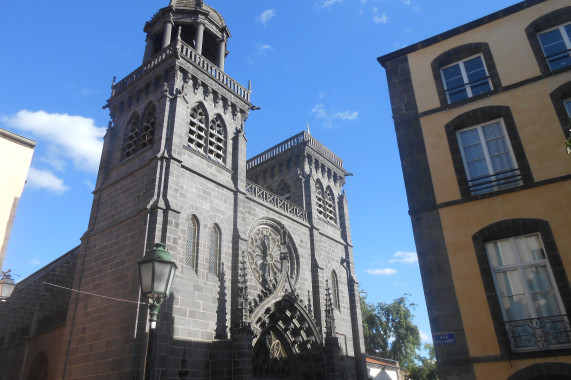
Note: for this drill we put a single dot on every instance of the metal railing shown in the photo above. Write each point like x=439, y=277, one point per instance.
x=539, y=334
x=494, y=182
x=191, y=56
x=275, y=200
x=300, y=138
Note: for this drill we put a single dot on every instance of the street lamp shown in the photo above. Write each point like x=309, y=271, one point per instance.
x=156, y=271
x=7, y=285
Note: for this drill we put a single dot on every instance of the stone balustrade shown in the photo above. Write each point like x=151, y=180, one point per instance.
x=275, y=200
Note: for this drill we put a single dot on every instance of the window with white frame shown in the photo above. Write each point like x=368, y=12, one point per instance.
x=465, y=79
x=488, y=157
x=531, y=306
x=556, y=45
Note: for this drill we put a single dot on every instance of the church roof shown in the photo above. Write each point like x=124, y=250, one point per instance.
x=196, y=5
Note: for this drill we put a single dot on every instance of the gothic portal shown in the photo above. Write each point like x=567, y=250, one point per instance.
x=265, y=287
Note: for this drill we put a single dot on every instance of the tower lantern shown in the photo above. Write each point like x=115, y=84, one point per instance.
x=198, y=25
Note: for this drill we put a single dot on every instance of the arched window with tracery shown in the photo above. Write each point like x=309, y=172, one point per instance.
x=330, y=205
x=335, y=290
x=198, y=128
x=129, y=147
x=284, y=190
x=214, y=251
x=320, y=200
x=191, y=249
x=217, y=139
x=147, y=131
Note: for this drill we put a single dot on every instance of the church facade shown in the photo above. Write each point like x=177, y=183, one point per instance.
x=265, y=286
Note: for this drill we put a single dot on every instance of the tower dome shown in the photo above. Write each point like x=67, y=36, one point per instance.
x=199, y=5
x=197, y=24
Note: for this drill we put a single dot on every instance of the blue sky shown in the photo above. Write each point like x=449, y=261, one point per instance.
x=310, y=61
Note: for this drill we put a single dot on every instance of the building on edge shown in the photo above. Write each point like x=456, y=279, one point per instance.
x=481, y=114
x=265, y=287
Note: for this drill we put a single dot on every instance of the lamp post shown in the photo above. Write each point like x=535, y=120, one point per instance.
x=7, y=285
x=156, y=272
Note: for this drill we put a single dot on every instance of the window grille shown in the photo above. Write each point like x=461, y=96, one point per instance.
x=319, y=199
x=145, y=137
x=488, y=158
x=532, y=308
x=130, y=141
x=217, y=139
x=197, y=128
x=330, y=206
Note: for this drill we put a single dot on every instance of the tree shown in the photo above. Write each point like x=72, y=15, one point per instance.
x=389, y=330
x=424, y=368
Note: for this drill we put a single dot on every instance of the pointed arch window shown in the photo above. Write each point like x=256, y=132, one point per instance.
x=214, y=251
x=191, y=249
x=330, y=205
x=217, y=139
x=284, y=190
x=335, y=290
x=129, y=147
x=320, y=200
x=198, y=128
x=147, y=131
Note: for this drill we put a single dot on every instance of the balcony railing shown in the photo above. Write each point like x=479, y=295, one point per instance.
x=298, y=139
x=539, y=334
x=191, y=56
x=496, y=181
x=275, y=200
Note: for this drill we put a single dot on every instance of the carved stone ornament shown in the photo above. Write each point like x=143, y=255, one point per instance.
x=269, y=256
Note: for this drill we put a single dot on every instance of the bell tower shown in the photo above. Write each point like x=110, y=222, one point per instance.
x=172, y=166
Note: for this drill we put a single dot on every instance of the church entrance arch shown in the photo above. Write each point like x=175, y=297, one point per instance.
x=287, y=343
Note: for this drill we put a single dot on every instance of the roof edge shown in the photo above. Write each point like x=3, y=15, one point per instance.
x=17, y=139
x=459, y=30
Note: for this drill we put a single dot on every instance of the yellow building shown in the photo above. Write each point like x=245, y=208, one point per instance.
x=481, y=114
x=15, y=155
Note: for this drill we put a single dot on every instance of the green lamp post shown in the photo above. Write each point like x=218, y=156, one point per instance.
x=156, y=271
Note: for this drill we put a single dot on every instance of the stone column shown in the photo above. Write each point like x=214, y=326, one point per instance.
x=199, y=37
x=167, y=32
x=148, y=48
x=221, y=53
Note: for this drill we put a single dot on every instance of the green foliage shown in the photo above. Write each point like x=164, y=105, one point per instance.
x=389, y=330
x=424, y=368
x=568, y=144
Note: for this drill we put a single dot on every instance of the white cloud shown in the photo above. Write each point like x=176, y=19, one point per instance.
x=381, y=271
x=34, y=261
x=329, y=117
x=404, y=257
x=261, y=50
x=425, y=337
x=74, y=138
x=416, y=9
x=42, y=179
x=266, y=16
x=329, y=3
x=407, y=2
x=379, y=19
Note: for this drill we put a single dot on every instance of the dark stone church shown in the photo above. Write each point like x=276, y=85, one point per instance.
x=265, y=286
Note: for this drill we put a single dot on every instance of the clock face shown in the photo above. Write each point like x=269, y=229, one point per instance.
x=264, y=249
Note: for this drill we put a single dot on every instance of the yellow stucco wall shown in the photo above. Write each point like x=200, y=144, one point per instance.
x=460, y=222
x=15, y=155
x=537, y=124
x=543, y=141
x=508, y=44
